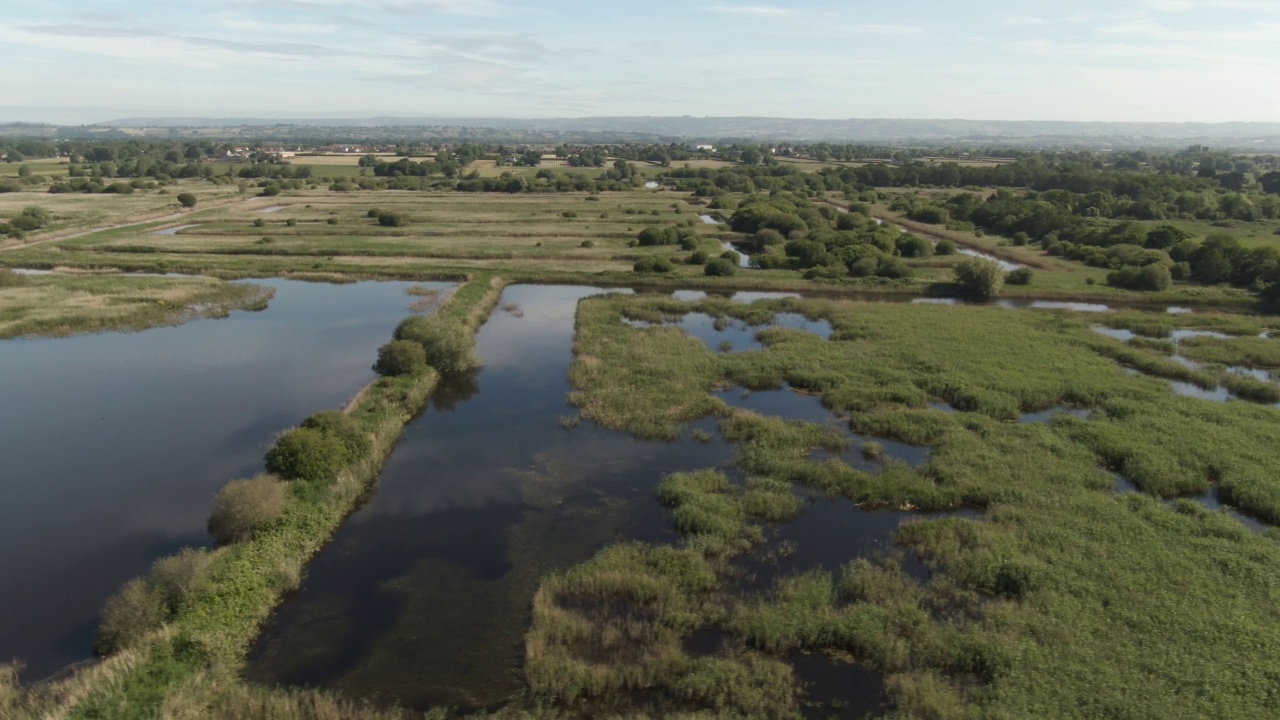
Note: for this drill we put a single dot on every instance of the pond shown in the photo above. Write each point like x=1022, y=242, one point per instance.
x=423, y=597
x=1215, y=394
x=731, y=335
x=115, y=443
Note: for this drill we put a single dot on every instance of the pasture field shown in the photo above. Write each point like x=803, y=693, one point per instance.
x=46, y=167
x=78, y=212
x=525, y=236
x=1258, y=233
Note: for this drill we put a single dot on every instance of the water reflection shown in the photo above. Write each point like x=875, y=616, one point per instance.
x=730, y=335
x=115, y=443
x=423, y=596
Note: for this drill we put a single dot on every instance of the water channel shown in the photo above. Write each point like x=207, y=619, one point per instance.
x=115, y=443
x=423, y=597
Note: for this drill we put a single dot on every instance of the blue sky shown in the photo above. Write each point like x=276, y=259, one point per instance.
x=1175, y=60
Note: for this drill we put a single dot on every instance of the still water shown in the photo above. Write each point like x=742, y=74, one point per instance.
x=114, y=444
x=423, y=597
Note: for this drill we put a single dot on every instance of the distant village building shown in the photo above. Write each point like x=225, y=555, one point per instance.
x=701, y=148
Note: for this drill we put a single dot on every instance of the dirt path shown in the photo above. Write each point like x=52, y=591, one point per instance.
x=131, y=223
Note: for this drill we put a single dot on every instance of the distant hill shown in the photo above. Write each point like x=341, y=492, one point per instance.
x=1240, y=135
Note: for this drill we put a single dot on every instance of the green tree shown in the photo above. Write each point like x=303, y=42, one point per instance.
x=720, y=267
x=187, y=200
x=449, y=347
x=979, y=277
x=308, y=454
x=401, y=357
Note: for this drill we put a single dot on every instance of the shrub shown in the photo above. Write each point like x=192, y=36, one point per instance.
x=653, y=265
x=946, y=247
x=270, y=190
x=401, y=357
x=720, y=267
x=332, y=221
x=9, y=278
x=1021, y=276
x=132, y=612
x=343, y=427
x=766, y=237
x=187, y=200
x=259, y=223
x=307, y=454
x=979, y=277
x=177, y=576
x=373, y=213
x=698, y=258
x=241, y=507
x=390, y=219
x=587, y=244
x=914, y=246
x=291, y=222
x=1150, y=278
x=893, y=268
x=864, y=267
x=449, y=347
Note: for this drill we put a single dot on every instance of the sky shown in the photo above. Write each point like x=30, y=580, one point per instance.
x=83, y=61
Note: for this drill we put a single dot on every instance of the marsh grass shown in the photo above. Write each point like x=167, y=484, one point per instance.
x=62, y=304
x=1065, y=595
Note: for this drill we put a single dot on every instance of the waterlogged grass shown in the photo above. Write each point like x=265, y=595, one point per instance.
x=61, y=304
x=1063, y=598
x=187, y=667
x=1253, y=352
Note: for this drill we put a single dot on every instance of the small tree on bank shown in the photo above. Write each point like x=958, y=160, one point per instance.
x=979, y=277
x=187, y=200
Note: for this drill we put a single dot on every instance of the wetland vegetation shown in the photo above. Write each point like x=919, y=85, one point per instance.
x=896, y=480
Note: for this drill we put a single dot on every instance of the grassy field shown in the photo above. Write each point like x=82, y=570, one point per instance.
x=569, y=229
x=60, y=304
x=77, y=212
x=44, y=167
x=1260, y=233
x=561, y=237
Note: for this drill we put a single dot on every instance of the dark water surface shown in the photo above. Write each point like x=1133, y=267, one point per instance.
x=114, y=444
x=423, y=596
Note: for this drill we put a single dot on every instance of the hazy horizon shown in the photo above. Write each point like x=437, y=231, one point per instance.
x=76, y=62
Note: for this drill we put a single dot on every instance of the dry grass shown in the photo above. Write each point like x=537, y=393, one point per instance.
x=76, y=211
x=68, y=304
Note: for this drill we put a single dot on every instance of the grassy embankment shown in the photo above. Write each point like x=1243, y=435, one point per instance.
x=188, y=666
x=1059, y=602
x=60, y=304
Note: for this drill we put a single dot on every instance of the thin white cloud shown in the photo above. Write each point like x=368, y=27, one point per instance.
x=1185, y=5
x=757, y=10
x=1017, y=21
x=889, y=30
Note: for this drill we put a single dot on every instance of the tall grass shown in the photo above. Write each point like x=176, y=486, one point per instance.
x=1066, y=595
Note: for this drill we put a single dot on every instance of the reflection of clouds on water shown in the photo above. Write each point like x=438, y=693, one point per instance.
x=114, y=437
